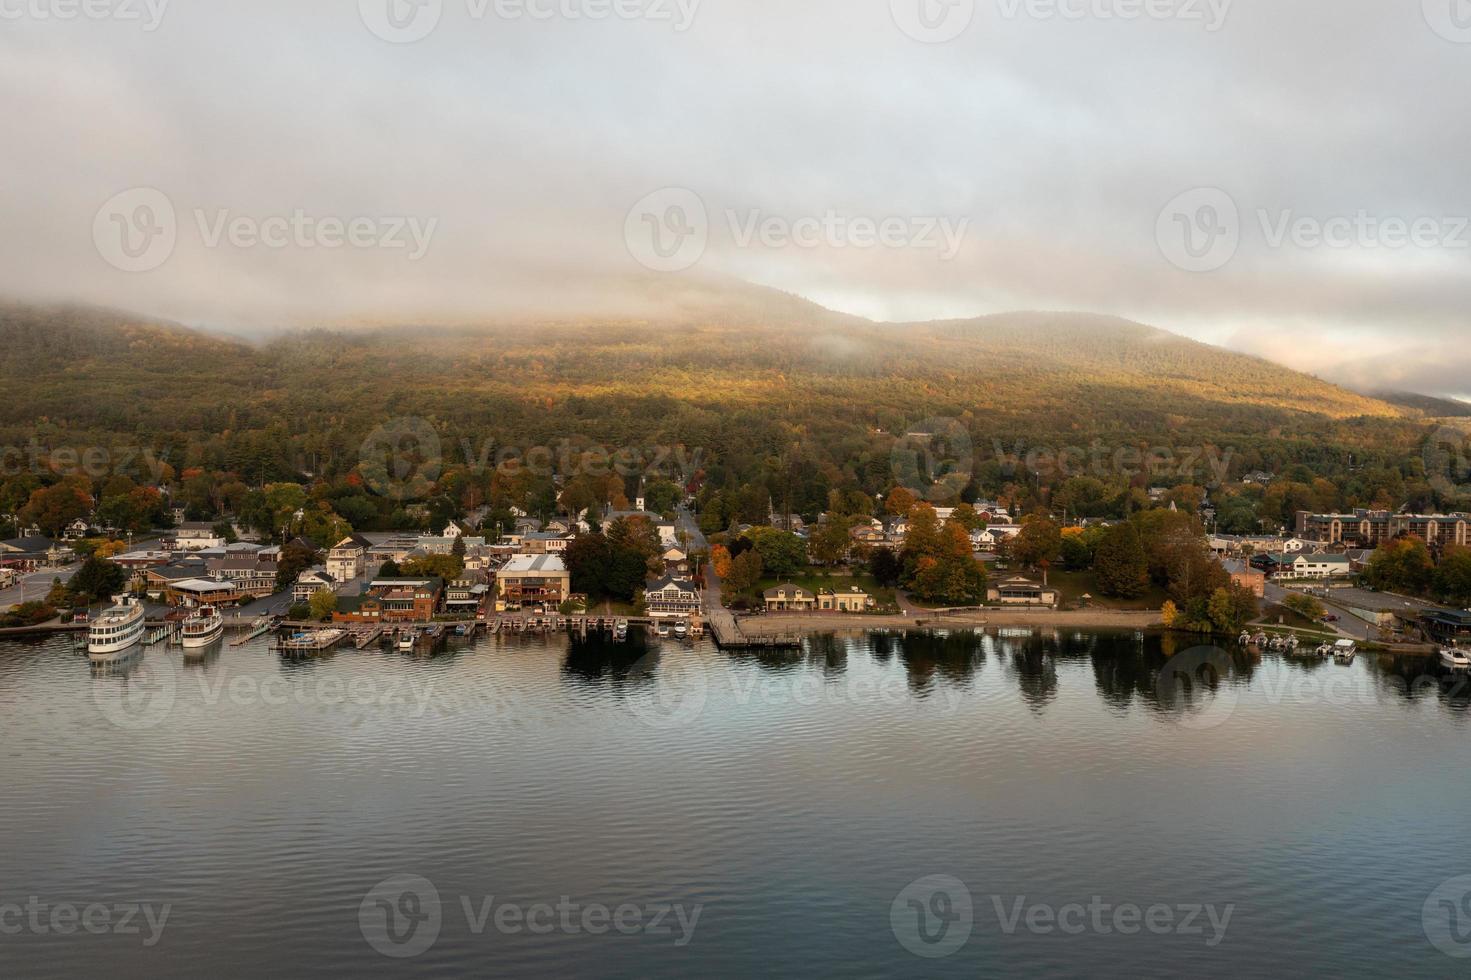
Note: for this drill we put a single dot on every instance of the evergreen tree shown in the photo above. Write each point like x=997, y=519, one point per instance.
x=1121, y=565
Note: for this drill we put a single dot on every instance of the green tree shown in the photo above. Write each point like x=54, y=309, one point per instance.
x=745, y=572
x=323, y=604
x=1453, y=576
x=97, y=579
x=1040, y=540
x=782, y=553
x=1402, y=565
x=1121, y=565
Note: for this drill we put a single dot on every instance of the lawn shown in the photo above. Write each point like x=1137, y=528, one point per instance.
x=1074, y=585
x=815, y=579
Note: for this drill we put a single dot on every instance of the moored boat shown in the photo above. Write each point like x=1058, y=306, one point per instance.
x=1455, y=659
x=117, y=630
x=681, y=629
x=206, y=625
x=406, y=640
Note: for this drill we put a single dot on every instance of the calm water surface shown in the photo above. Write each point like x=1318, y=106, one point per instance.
x=796, y=805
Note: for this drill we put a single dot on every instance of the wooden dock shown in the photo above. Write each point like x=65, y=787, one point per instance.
x=728, y=634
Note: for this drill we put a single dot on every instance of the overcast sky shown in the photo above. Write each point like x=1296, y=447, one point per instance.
x=1180, y=162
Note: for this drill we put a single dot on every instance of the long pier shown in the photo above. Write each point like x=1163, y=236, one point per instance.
x=728, y=634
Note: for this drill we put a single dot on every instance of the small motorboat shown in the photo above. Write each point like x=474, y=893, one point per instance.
x=681, y=629
x=1455, y=659
x=620, y=630
x=662, y=628
x=1245, y=639
x=1344, y=651
x=406, y=640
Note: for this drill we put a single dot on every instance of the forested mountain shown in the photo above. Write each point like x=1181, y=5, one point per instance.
x=766, y=386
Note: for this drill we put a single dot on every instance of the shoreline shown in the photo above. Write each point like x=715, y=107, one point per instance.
x=779, y=624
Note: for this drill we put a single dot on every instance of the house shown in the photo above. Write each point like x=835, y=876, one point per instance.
x=867, y=534
x=671, y=596
x=194, y=537
x=203, y=592
x=246, y=572
x=676, y=561
x=789, y=597
x=465, y=595
x=544, y=543
x=1252, y=580
x=528, y=580
x=310, y=582
x=34, y=551
x=78, y=528
x=1448, y=627
x=1019, y=591
x=348, y=558
x=1318, y=566
x=850, y=600
x=393, y=600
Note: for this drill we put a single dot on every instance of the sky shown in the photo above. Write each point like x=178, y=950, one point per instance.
x=1282, y=177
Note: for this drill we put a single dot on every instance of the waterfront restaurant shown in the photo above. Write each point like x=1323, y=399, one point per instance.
x=1448, y=627
x=1020, y=591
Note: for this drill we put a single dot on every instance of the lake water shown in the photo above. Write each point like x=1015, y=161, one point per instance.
x=962, y=805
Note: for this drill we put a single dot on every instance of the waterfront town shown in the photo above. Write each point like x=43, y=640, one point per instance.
x=1365, y=575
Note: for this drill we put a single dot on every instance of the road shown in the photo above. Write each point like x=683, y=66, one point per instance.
x=33, y=587
x=685, y=521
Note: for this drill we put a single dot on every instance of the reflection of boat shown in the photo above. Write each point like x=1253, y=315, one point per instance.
x=1455, y=659
x=117, y=630
x=202, y=628
x=406, y=640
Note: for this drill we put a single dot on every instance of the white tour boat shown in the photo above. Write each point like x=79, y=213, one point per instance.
x=117, y=630
x=203, y=628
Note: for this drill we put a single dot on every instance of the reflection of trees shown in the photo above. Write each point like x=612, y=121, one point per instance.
x=596, y=659
x=1413, y=679
x=957, y=656
x=1034, y=668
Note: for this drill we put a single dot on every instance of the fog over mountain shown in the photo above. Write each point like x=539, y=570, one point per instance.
x=1074, y=158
